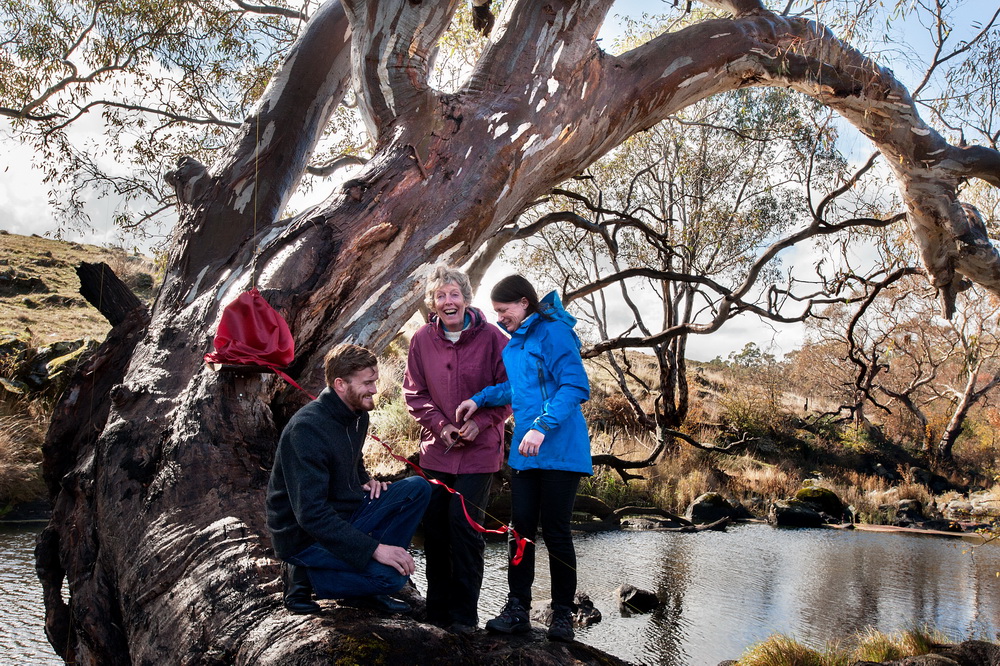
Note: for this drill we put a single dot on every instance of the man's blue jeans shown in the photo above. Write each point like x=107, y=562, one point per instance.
x=391, y=519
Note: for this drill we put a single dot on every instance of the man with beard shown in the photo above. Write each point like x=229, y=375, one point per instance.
x=340, y=532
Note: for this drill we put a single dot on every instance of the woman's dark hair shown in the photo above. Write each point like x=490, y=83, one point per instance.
x=513, y=288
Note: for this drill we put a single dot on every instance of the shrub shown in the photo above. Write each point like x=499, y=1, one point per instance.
x=745, y=412
x=607, y=486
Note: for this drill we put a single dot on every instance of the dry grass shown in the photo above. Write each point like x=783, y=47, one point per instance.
x=780, y=650
x=873, y=498
x=753, y=477
x=60, y=313
x=877, y=646
x=20, y=460
x=390, y=420
x=871, y=645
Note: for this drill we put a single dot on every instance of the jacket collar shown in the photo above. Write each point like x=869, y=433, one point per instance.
x=473, y=315
x=337, y=408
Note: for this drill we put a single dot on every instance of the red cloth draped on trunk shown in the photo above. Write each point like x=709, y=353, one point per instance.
x=253, y=333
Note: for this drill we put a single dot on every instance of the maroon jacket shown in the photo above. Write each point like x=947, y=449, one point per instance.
x=440, y=375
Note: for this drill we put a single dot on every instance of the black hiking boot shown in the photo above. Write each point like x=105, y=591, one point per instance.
x=298, y=590
x=561, y=627
x=513, y=619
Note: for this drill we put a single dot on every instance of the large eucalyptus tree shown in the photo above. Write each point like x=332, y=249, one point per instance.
x=159, y=480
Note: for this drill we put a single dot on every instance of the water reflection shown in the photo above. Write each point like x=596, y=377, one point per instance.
x=722, y=591
x=22, y=637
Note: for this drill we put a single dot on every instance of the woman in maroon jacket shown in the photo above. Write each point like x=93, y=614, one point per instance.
x=454, y=355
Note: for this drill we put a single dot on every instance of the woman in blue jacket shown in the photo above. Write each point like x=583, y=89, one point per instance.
x=551, y=446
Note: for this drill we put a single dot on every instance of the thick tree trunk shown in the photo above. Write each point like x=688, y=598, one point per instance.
x=159, y=525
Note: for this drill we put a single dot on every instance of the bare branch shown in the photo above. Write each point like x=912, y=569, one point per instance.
x=337, y=163
x=271, y=10
x=174, y=117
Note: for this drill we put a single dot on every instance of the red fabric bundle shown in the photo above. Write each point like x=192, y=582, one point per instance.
x=251, y=332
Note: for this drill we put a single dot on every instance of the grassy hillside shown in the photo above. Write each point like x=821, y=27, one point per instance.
x=43, y=317
x=39, y=289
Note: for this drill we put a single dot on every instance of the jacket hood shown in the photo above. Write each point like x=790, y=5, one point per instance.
x=552, y=305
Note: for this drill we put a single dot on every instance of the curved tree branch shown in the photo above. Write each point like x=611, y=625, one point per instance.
x=392, y=50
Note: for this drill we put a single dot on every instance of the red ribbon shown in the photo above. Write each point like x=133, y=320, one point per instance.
x=518, y=539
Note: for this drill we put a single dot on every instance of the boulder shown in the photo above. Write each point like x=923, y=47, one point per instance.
x=935, y=482
x=584, y=611
x=16, y=283
x=883, y=472
x=709, y=508
x=633, y=601
x=793, y=513
x=942, y=526
x=909, y=511
x=823, y=500
x=957, y=510
x=984, y=504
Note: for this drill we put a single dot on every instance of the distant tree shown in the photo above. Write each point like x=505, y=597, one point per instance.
x=901, y=353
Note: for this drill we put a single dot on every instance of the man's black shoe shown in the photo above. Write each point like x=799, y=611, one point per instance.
x=298, y=590
x=379, y=602
x=303, y=607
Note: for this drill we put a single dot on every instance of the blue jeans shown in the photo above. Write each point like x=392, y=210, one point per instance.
x=391, y=519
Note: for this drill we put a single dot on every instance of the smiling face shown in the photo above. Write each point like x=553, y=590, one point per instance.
x=449, y=306
x=511, y=315
x=357, y=390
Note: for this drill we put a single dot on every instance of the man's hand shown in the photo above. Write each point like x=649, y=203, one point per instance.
x=449, y=435
x=375, y=488
x=469, y=431
x=395, y=557
x=465, y=410
x=531, y=442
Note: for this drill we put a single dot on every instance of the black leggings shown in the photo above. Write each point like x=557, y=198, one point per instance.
x=546, y=496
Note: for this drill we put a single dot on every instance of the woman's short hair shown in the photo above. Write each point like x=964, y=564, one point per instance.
x=447, y=275
x=345, y=359
x=513, y=288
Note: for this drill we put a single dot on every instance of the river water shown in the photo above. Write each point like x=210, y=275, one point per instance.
x=721, y=591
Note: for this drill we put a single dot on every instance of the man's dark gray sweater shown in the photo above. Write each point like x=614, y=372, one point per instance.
x=316, y=482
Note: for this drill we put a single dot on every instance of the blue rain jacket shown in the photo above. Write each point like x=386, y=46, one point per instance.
x=546, y=385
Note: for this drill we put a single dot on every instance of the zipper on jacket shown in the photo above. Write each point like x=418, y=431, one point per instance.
x=541, y=381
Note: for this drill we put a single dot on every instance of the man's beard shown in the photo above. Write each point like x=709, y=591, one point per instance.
x=355, y=399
